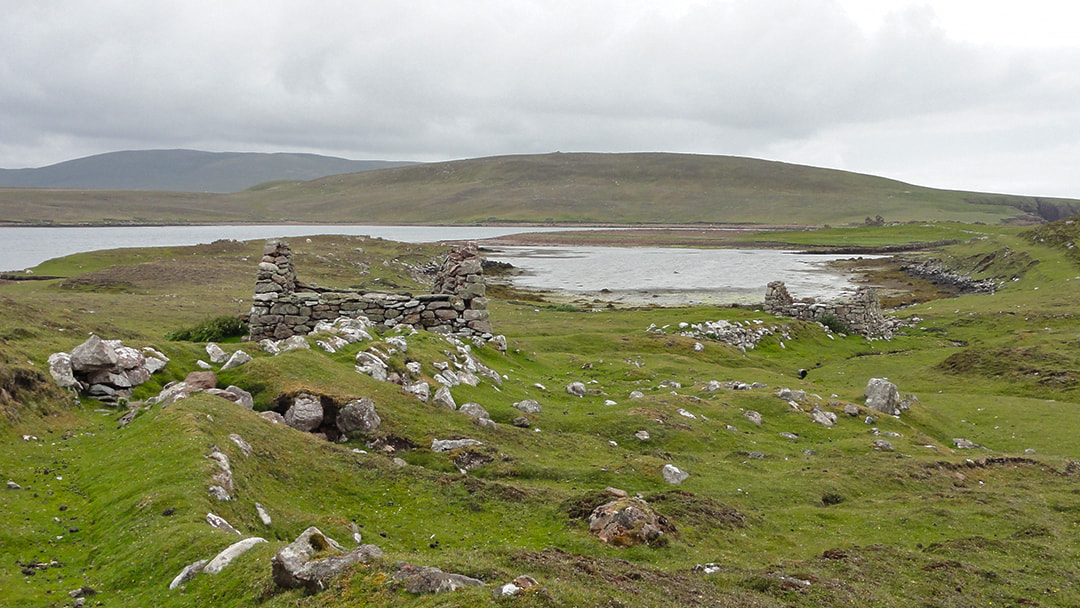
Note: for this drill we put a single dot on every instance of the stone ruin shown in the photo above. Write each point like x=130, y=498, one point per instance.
x=862, y=314
x=283, y=306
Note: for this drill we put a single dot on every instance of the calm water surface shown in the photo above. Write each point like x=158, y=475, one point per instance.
x=670, y=276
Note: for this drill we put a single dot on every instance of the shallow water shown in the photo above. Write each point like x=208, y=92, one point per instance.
x=673, y=276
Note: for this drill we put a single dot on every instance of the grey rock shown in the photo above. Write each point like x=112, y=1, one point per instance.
x=245, y=447
x=367, y=363
x=294, y=343
x=219, y=522
x=236, y=360
x=822, y=417
x=883, y=445
x=528, y=406
x=882, y=395
x=305, y=414
x=188, y=573
x=293, y=568
x=233, y=551
x=272, y=417
x=244, y=398
x=430, y=580
x=219, y=493
x=216, y=354
x=673, y=474
x=11, y=485
x=443, y=398
x=154, y=364
x=790, y=436
x=753, y=416
x=203, y=365
x=474, y=410
x=486, y=423
x=522, y=422
x=61, y=371
x=636, y=395
x=576, y=389
x=851, y=409
x=420, y=390
x=447, y=445
x=269, y=346
x=642, y=435
x=201, y=381
x=93, y=354
x=965, y=444
x=358, y=416
x=264, y=517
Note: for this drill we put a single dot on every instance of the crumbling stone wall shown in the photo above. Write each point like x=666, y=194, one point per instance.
x=862, y=314
x=283, y=306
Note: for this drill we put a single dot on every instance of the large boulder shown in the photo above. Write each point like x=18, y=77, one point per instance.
x=61, y=371
x=305, y=414
x=200, y=381
x=882, y=395
x=627, y=521
x=94, y=354
x=358, y=416
x=294, y=567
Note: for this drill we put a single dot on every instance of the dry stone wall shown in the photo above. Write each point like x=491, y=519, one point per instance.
x=862, y=314
x=284, y=307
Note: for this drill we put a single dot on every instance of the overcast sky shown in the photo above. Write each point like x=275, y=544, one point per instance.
x=976, y=95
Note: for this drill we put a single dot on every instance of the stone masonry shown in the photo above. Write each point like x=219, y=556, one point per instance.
x=862, y=315
x=283, y=306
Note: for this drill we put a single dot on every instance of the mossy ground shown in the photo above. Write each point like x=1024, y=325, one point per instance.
x=122, y=509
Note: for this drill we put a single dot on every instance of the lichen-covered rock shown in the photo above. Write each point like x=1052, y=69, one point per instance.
x=753, y=416
x=61, y=371
x=93, y=354
x=216, y=354
x=358, y=416
x=528, y=406
x=882, y=395
x=305, y=414
x=428, y=580
x=293, y=566
x=236, y=360
x=576, y=389
x=443, y=398
x=673, y=474
x=447, y=445
x=627, y=521
x=474, y=410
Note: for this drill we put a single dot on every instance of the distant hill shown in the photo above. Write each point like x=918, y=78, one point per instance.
x=653, y=188
x=184, y=170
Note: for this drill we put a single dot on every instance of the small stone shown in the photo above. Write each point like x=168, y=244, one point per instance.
x=642, y=435
x=883, y=445
x=11, y=485
x=528, y=406
x=216, y=354
x=673, y=474
x=576, y=389
x=753, y=416
x=447, y=445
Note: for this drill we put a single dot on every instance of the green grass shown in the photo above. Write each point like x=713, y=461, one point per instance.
x=926, y=524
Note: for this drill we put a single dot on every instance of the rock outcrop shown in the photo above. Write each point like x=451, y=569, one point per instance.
x=294, y=565
x=104, y=369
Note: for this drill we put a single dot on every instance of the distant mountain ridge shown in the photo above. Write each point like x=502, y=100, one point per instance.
x=185, y=170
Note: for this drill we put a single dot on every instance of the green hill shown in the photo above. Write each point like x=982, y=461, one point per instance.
x=565, y=188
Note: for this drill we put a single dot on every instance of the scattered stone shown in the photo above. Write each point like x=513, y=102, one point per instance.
x=216, y=354
x=293, y=343
x=475, y=410
x=965, y=444
x=443, y=398
x=219, y=493
x=236, y=360
x=822, y=417
x=788, y=394
x=521, y=422
x=188, y=573
x=203, y=365
x=518, y=585
x=243, y=397
x=272, y=417
x=264, y=517
x=429, y=580
x=220, y=523
x=790, y=436
x=753, y=416
x=882, y=395
x=11, y=485
x=642, y=435
x=686, y=414
x=851, y=409
x=883, y=445
x=245, y=447
x=305, y=414
x=447, y=445
x=576, y=389
x=293, y=568
x=528, y=406
x=636, y=395
x=673, y=474
x=233, y=551
x=367, y=363
x=201, y=381
x=420, y=390
x=627, y=521
x=269, y=346
x=358, y=416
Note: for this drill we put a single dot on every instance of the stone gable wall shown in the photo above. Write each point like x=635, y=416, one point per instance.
x=862, y=315
x=283, y=306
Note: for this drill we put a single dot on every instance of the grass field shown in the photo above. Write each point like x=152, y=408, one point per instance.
x=822, y=519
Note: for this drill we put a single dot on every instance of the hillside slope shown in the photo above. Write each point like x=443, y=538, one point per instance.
x=183, y=170
x=561, y=188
